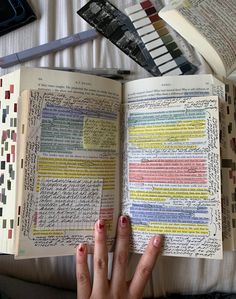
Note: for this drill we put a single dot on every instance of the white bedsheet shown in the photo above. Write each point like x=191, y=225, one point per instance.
x=57, y=19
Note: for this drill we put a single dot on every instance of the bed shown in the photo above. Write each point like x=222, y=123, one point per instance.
x=55, y=277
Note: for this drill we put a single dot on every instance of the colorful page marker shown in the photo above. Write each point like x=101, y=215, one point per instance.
x=138, y=35
x=155, y=35
x=118, y=28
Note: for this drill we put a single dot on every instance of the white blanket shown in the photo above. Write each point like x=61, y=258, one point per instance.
x=57, y=19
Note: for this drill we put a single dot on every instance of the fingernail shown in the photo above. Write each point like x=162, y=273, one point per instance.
x=100, y=225
x=123, y=221
x=81, y=249
x=157, y=241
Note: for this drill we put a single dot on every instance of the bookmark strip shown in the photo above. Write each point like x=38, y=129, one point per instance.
x=120, y=30
x=138, y=35
x=157, y=39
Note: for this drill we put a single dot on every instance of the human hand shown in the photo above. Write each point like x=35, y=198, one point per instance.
x=117, y=287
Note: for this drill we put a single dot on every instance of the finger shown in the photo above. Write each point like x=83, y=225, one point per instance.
x=100, y=258
x=82, y=273
x=145, y=267
x=118, y=281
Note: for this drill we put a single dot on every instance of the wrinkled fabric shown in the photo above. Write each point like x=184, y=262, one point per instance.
x=57, y=19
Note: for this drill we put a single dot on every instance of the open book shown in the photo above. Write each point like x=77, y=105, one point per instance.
x=210, y=27
x=77, y=147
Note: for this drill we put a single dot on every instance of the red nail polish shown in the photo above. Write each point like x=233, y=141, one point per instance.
x=123, y=221
x=81, y=249
x=100, y=224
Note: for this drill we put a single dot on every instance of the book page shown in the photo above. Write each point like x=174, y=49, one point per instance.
x=172, y=166
x=11, y=86
x=65, y=81
x=212, y=22
x=70, y=171
x=216, y=20
x=174, y=175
